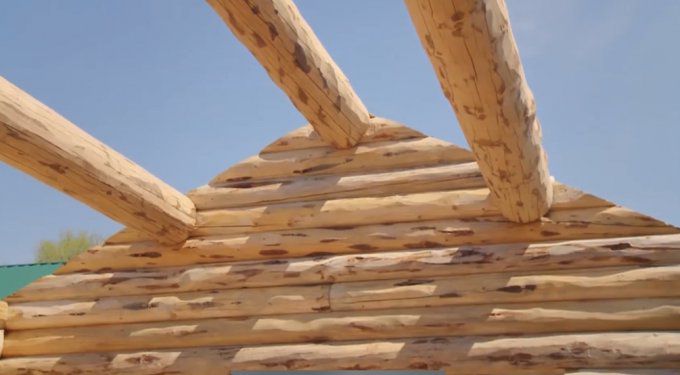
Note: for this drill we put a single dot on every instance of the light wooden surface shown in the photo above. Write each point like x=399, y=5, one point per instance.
x=440, y=205
x=378, y=156
x=45, y=145
x=311, y=188
x=458, y=355
x=284, y=268
x=497, y=319
x=281, y=40
x=422, y=264
x=472, y=50
x=379, y=130
x=589, y=223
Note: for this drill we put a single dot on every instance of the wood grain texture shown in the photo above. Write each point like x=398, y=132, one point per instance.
x=591, y=284
x=303, y=189
x=472, y=50
x=366, y=158
x=278, y=36
x=40, y=142
x=440, y=205
x=558, y=226
x=538, y=318
x=467, y=260
x=168, y=307
x=457, y=355
x=379, y=130
x=526, y=287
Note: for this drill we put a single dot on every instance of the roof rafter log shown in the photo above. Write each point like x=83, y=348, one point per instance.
x=472, y=49
x=281, y=40
x=45, y=145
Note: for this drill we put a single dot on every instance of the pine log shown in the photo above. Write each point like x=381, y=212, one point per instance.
x=472, y=50
x=281, y=40
x=558, y=226
x=440, y=205
x=168, y=307
x=457, y=355
x=379, y=130
x=38, y=141
x=372, y=157
x=592, y=316
x=590, y=284
x=637, y=251
x=302, y=189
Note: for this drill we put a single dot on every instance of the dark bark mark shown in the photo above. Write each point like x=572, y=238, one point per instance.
x=301, y=58
x=148, y=254
x=413, y=282
x=273, y=252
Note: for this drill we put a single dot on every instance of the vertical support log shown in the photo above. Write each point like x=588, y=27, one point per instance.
x=281, y=40
x=473, y=51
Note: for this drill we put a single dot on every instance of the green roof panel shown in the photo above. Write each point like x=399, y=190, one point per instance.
x=13, y=278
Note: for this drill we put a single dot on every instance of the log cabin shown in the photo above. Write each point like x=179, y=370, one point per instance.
x=352, y=243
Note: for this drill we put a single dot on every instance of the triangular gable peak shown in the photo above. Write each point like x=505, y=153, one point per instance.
x=388, y=255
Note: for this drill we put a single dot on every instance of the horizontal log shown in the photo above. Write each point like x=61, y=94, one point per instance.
x=641, y=314
x=636, y=251
x=372, y=157
x=472, y=50
x=40, y=142
x=560, y=225
x=591, y=284
x=440, y=205
x=167, y=307
x=302, y=189
x=379, y=130
x=465, y=355
x=281, y=40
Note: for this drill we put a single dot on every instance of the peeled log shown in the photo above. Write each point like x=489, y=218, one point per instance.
x=465, y=355
x=560, y=225
x=636, y=251
x=592, y=284
x=281, y=40
x=167, y=307
x=38, y=141
x=439, y=205
x=379, y=130
x=310, y=188
x=473, y=51
x=590, y=316
x=365, y=158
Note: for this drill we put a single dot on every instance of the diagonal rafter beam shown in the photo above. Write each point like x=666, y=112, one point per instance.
x=45, y=145
x=472, y=49
x=282, y=41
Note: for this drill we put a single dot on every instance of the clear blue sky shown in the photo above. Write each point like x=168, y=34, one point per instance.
x=166, y=84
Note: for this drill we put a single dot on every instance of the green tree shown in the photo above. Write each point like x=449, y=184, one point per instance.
x=68, y=246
